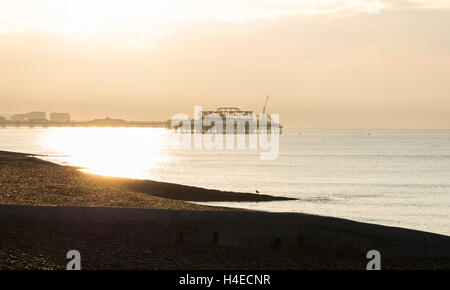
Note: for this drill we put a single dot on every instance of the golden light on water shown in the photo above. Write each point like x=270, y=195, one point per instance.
x=119, y=152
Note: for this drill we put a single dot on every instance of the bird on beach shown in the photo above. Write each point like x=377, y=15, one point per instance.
x=257, y=191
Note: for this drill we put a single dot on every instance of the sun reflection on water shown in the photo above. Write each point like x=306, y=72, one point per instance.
x=119, y=152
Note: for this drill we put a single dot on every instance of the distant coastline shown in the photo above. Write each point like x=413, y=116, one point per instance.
x=39, y=119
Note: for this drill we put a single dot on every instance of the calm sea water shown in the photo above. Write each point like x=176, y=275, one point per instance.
x=390, y=177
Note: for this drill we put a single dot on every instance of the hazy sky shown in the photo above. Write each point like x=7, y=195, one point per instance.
x=351, y=64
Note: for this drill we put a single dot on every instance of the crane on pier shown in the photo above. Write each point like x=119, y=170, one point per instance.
x=264, y=109
x=265, y=104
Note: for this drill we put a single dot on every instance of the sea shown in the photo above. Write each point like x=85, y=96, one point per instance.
x=396, y=178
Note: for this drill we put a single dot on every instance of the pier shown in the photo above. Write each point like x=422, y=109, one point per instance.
x=125, y=124
x=229, y=120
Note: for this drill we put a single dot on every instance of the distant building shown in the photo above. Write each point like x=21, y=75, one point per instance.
x=60, y=117
x=19, y=118
x=108, y=121
x=3, y=120
x=37, y=116
x=32, y=117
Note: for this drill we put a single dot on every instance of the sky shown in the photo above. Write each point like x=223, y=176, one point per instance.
x=325, y=64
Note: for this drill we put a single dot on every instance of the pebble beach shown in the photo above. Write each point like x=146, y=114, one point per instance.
x=28, y=181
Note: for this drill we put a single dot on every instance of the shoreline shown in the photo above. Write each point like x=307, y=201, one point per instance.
x=46, y=208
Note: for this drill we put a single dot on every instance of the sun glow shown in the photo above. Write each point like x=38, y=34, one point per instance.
x=111, y=151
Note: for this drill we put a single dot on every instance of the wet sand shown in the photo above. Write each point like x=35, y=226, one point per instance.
x=191, y=193
x=38, y=238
